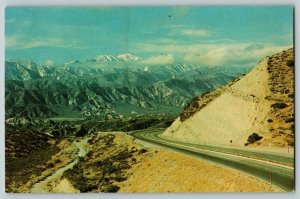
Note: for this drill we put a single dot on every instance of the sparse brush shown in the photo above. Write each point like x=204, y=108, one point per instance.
x=290, y=63
x=254, y=137
x=279, y=105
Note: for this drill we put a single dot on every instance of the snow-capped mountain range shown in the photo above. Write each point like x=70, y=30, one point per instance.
x=106, y=87
x=128, y=58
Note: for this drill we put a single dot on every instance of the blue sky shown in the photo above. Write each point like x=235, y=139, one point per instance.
x=229, y=35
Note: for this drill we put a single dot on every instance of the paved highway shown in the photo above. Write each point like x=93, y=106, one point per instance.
x=279, y=175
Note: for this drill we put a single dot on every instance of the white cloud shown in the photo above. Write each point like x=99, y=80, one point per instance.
x=217, y=53
x=11, y=41
x=233, y=55
x=17, y=42
x=196, y=32
x=49, y=62
x=34, y=44
x=159, y=59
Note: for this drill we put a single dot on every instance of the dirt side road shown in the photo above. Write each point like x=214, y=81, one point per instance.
x=54, y=180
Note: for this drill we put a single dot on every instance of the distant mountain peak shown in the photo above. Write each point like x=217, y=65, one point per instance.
x=127, y=57
x=103, y=58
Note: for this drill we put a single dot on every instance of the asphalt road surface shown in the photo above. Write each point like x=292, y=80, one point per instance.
x=279, y=175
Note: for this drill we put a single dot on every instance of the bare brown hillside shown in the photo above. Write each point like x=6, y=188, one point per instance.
x=116, y=163
x=30, y=157
x=167, y=171
x=260, y=102
x=281, y=82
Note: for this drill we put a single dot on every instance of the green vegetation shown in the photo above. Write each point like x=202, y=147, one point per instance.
x=90, y=125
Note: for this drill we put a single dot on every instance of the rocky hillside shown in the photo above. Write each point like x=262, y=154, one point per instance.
x=256, y=109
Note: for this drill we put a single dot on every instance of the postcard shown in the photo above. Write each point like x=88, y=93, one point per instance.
x=149, y=99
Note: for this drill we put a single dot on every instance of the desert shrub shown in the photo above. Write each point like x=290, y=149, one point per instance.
x=289, y=120
x=89, y=154
x=142, y=151
x=111, y=188
x=123, y=155
x=190, y=108
x=133, y=149
x=120, y=178
x=279, y=105
x=168, y=123
x=56, y=133
x=254, y=137
x=270, y=120
x=80, y=159
x=98, y=163
x=81, y=132
x=291, y=142
x=290, y=63
x=292, y=128
x=83, y=185
x=111, y=169
x=195, y=104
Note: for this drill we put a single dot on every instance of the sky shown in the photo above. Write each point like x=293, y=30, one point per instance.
x=208, y=35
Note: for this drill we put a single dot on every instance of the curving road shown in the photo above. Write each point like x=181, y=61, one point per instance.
x=277, y=174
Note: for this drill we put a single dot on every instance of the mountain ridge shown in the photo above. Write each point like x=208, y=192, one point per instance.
x=105, y=91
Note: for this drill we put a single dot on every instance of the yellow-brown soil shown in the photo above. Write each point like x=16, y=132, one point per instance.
x=167, y=171
x=261, y=102
x=108, y=163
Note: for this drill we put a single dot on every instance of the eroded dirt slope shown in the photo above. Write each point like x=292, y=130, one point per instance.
x=260, y=102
